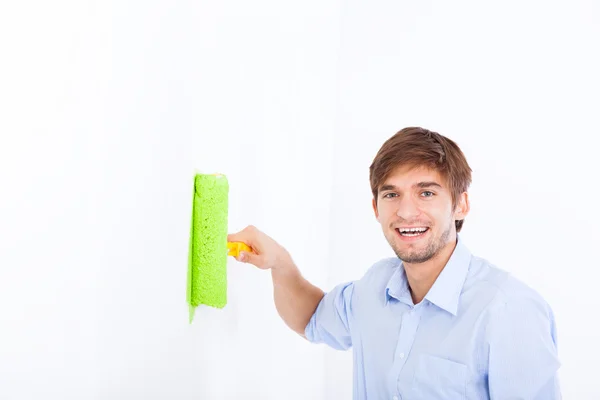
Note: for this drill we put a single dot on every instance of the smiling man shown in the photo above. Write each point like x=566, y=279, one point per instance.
x=435, y=322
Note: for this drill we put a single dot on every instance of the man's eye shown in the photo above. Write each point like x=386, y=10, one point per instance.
x=429, y=193
x=389, y=195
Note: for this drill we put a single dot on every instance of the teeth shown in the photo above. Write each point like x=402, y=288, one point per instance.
x=413, y=230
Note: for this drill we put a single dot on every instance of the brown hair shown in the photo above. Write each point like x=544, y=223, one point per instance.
x=418, y=147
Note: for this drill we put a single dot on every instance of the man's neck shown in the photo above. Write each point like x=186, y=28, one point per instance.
x=421, y=277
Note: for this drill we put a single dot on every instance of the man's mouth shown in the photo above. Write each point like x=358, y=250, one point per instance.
x=412, y=232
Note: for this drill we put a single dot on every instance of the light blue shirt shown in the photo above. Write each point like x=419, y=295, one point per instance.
x=478, y=334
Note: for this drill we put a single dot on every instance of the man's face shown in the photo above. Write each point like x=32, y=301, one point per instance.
x=414, y=208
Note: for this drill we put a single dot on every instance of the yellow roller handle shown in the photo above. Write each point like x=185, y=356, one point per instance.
x=235, y=248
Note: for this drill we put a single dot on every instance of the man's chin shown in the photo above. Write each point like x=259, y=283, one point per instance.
x=414, y=258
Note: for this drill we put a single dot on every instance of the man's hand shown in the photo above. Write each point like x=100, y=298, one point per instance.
x=266, y=252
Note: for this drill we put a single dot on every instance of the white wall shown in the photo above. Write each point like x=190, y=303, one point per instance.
x=108, y=108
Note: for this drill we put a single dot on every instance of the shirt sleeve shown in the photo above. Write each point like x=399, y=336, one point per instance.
x=523, y=359
x=330, y=323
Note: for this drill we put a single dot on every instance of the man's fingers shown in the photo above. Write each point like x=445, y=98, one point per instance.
x=253, y=238
x=234, y=237
x=244, y=236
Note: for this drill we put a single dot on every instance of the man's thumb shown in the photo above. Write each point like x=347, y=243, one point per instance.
x=247, y=257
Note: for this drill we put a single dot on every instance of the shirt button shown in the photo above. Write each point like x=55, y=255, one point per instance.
x=401, y=355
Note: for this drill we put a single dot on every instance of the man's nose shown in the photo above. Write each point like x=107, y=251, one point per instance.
x=408, y=209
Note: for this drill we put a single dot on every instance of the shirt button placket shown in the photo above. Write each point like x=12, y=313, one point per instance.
x=408, y=330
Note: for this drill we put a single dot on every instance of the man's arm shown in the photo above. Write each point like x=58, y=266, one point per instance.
x=523, y=359
x=318, y=317
x=296, y=299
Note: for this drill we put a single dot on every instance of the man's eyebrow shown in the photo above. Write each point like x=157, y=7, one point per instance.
x=427, y=184
x=421, y=185
x=387, y=187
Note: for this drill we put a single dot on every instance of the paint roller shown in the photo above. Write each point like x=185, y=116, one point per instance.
x=209, y=248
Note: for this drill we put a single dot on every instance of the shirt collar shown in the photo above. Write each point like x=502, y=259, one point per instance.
x=446, y=290
x=397, y=286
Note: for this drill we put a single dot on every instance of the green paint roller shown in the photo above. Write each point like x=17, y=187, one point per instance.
x=208, y=251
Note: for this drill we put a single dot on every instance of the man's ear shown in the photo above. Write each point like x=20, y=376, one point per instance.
x=375, y=208
x=463, y=207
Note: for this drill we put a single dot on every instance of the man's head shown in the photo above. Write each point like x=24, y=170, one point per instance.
x=419, y=181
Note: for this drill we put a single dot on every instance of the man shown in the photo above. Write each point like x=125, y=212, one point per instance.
x=436, y=322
